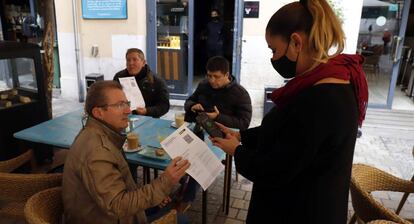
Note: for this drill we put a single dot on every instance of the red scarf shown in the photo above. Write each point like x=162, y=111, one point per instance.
x=343, y=66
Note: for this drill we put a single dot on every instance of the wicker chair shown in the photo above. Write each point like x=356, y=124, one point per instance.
x=45, y=207
x=12, y=164
x=366, y=179
x=169, y=218
x=381, y=222
x=17, y=188
x=405, y=196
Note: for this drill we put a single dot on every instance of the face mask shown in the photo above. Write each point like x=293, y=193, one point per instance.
x=215, y=18
x=284, y=66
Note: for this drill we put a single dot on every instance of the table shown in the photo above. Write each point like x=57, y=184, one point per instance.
x=61, y=132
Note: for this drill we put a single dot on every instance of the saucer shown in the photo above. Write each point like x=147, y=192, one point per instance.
x=125, y=148
x=174, y=125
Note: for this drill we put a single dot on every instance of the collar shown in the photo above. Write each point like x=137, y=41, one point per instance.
x=115, y=137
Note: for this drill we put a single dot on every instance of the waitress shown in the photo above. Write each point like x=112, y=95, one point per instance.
x=300, y=158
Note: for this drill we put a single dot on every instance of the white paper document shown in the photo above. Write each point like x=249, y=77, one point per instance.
x=132, y=92
x=205, y=166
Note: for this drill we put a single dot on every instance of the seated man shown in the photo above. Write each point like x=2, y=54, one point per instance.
x=153, y=88
x=97, y=184
x=224, y=100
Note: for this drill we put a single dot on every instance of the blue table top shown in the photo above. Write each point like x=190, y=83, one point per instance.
x=62, y=131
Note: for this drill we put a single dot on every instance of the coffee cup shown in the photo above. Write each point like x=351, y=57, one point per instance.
x=133, y=141
x=179, y=119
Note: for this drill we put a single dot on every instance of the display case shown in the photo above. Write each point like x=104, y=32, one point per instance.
x=172, y=45
x=22, y=93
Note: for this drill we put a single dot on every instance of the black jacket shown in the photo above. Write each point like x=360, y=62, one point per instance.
x=300, y=158
x=153, y=89
x=232, y=101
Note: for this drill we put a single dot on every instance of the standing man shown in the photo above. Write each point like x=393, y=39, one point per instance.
x=97, y=184
x=153, y=88
x=221, y=97
x=215, y=35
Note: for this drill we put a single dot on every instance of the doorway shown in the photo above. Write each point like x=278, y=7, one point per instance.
x=177, y=40
x=204, y=25
x=380, y=41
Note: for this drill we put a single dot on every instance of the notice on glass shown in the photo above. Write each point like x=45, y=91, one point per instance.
x=205, y=166
x=132, y=92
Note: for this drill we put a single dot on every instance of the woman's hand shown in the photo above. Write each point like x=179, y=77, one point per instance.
x=227, y=144
x=141, y=110
x=176, y=169
x=227, y=130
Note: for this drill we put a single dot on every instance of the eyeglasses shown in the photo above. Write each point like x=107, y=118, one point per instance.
x=120, y=106
x=211, y=77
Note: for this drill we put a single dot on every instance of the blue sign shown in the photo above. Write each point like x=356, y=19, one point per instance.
x=393, y=8
x=104, y=9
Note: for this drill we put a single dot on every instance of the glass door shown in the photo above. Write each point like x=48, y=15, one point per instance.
x=381, y=34
x=170, y=41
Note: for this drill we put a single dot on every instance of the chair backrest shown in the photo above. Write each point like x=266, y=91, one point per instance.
x=8, y=166
x=20, y=187
x=169, y=218
x=364, y=180
x=45, y=207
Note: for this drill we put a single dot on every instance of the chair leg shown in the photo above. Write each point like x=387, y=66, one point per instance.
x=403, y=199
x=353, y=219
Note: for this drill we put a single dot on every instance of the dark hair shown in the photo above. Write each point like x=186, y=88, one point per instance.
x=218, y=63
x=136, y=50
x=97, y=94
x=313, y=17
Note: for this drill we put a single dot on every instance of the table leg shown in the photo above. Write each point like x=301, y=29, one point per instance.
x=204, y=208
x=146, y=175
x=227, y=184
x=133, y=170
x=155, y=173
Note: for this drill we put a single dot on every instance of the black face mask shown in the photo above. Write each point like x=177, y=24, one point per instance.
x=215, y=18
x=284, y=66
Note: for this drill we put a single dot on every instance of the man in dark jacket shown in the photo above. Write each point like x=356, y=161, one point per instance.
x=224, y=100
x=153, y=88
x=215, y=35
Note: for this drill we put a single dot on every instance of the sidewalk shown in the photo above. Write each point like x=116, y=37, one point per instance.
x=386, y=143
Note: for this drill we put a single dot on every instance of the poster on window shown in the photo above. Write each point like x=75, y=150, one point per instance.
x=251, y=10
x=104, y=9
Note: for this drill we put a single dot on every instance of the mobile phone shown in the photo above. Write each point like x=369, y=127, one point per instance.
x=211, y=128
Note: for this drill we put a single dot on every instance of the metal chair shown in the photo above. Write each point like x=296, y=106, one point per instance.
x=45, y=207
x=366, y=179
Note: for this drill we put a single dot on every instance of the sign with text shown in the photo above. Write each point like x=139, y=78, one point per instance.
x=251, y=10
x=104, y=9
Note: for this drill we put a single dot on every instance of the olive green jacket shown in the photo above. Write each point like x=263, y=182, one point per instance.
x=97, y=184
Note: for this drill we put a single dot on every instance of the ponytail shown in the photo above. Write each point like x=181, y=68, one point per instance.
x=326, y=31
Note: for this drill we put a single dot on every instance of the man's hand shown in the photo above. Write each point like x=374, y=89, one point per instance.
x=141, y=110
x=176, y=169
x=197, y=107
x=164, y=202
x=213, y=115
